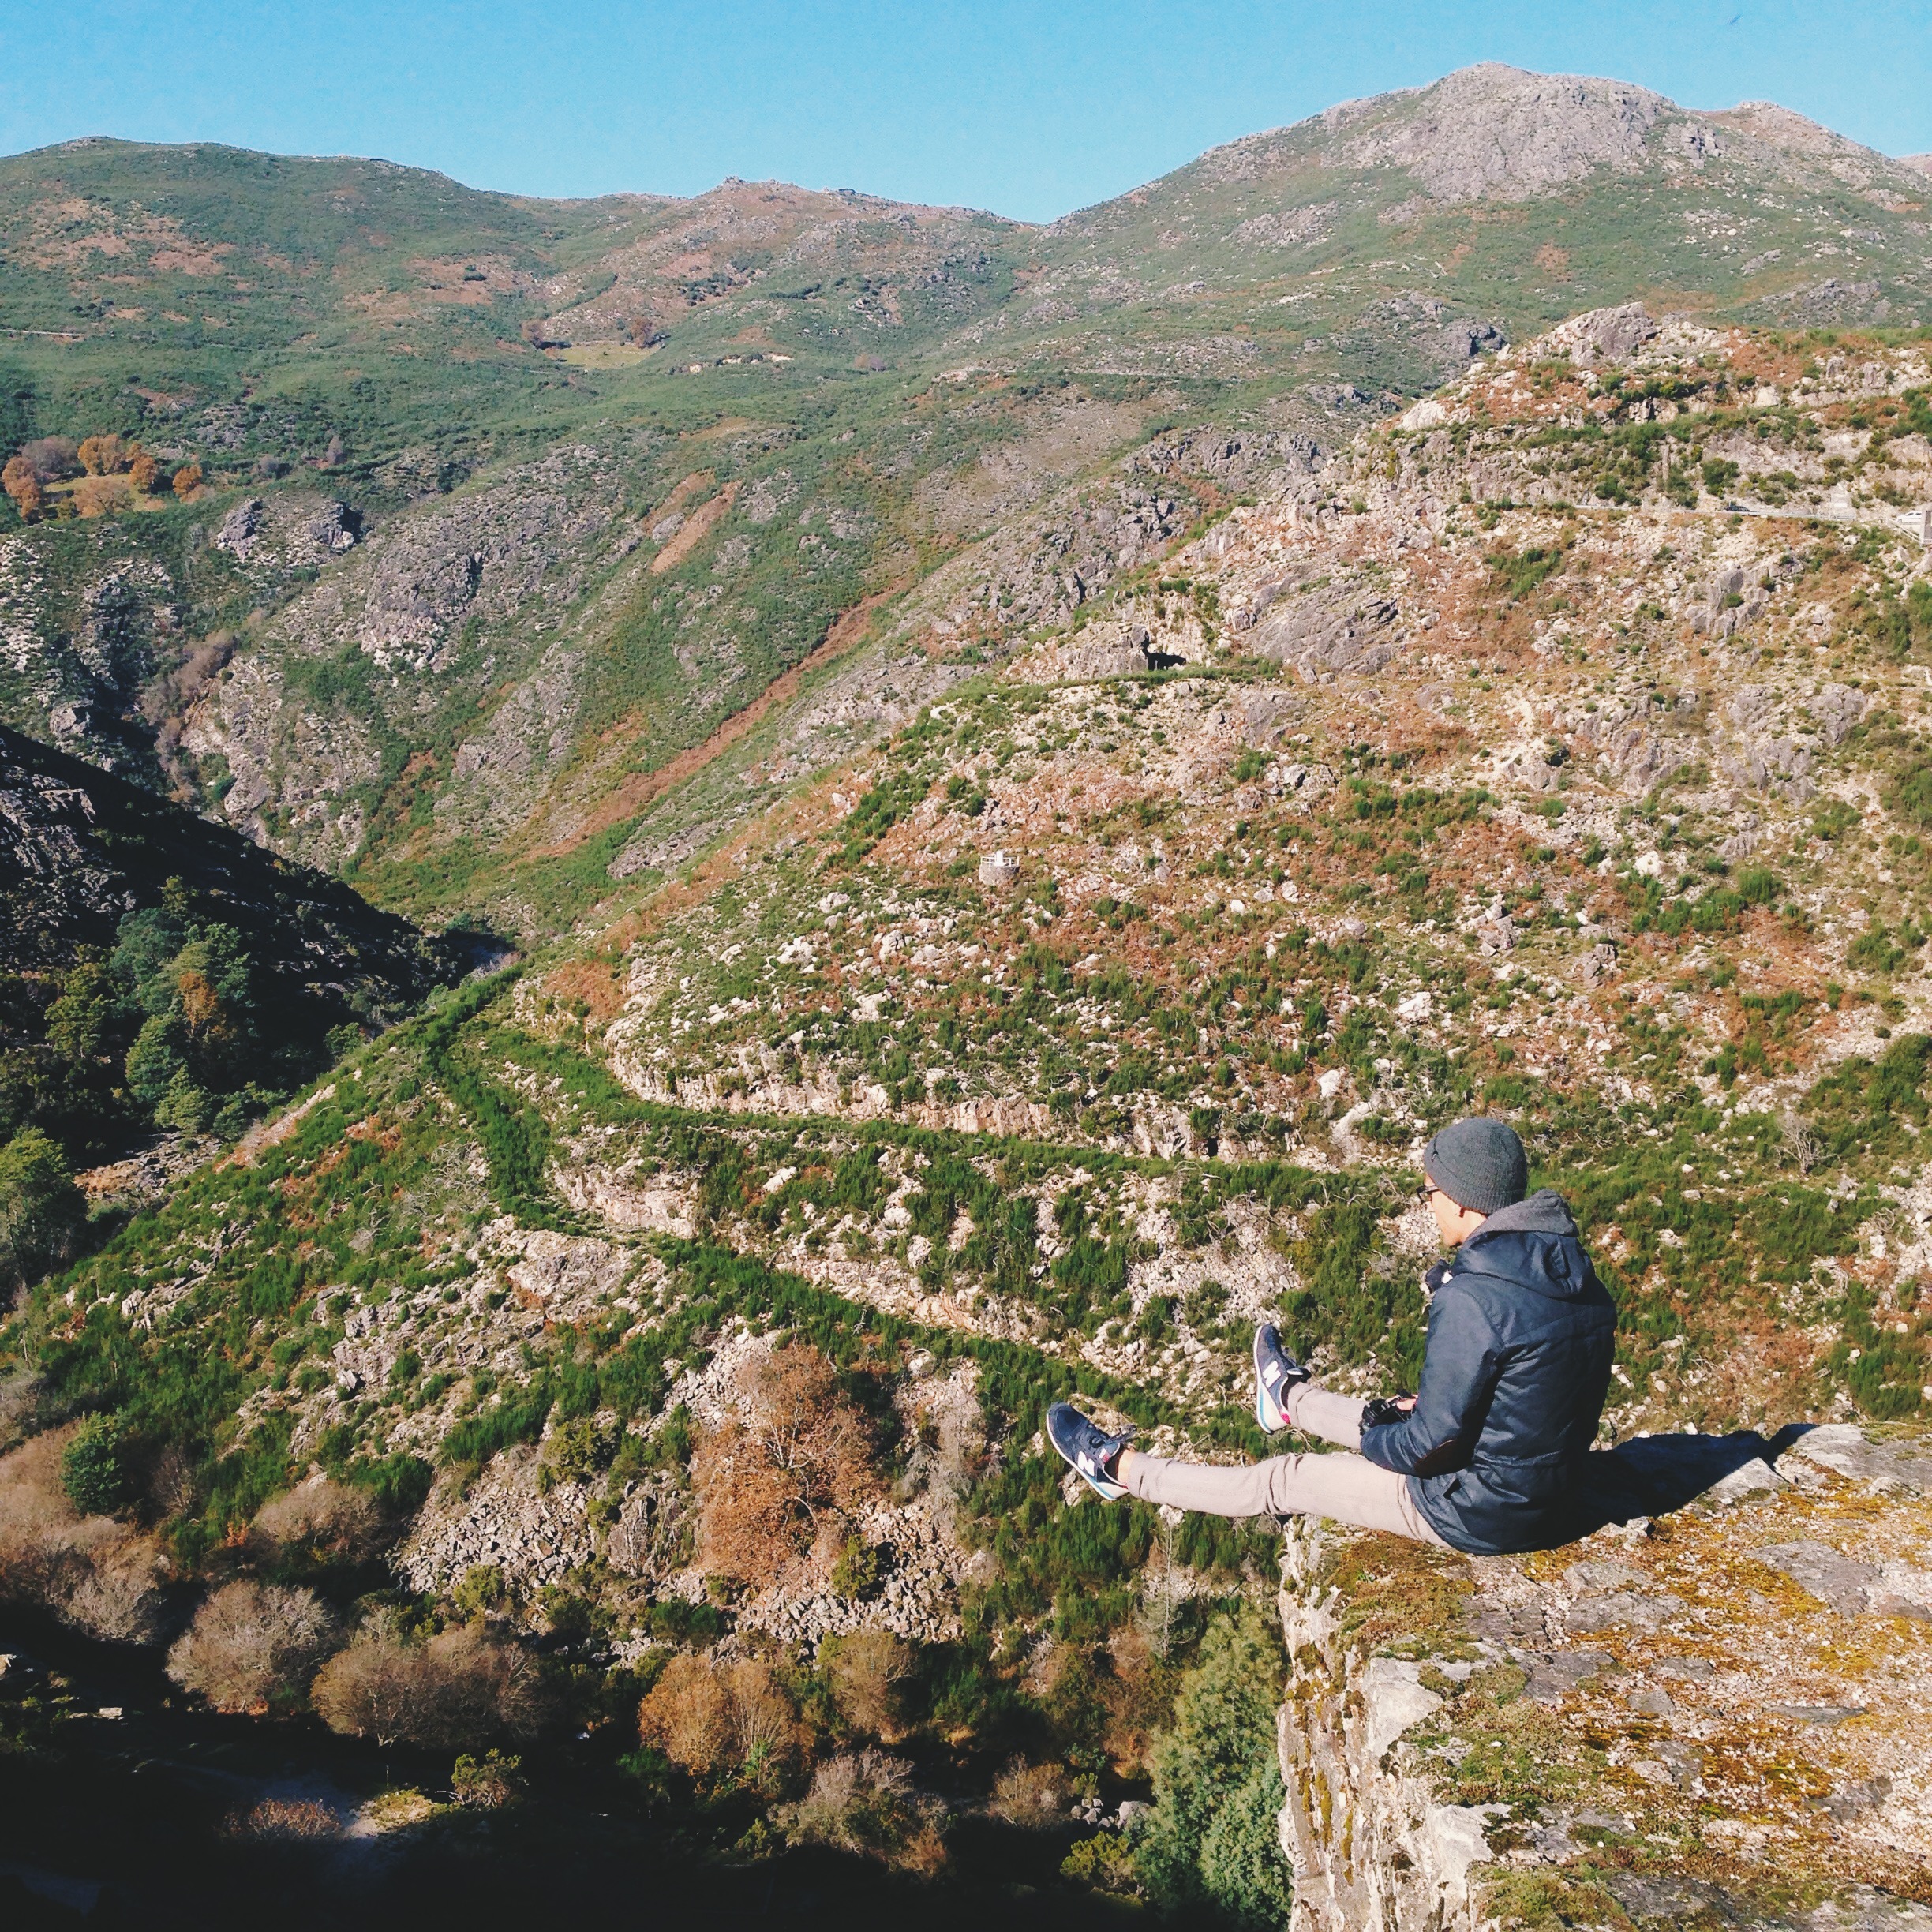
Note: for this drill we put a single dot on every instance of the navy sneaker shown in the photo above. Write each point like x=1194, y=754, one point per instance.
x=1088, y=1446
x=1276, y=1373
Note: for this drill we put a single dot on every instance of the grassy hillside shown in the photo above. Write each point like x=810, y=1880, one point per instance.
x=1557, y=751
x=611, y=468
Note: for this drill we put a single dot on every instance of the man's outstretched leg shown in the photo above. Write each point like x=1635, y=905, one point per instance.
x=1347, y=1488
x=1287, y=1396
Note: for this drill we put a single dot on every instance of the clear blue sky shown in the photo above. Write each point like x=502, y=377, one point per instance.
x=1030, y=107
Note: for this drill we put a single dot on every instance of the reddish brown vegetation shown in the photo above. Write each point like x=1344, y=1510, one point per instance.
x=782, y=1483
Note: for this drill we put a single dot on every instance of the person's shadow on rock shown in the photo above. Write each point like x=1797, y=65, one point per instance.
x=1654, y=1475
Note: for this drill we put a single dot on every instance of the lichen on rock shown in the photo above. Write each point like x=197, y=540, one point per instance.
x=1716, y=1710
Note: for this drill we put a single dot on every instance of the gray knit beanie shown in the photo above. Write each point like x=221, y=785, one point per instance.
x=1479, y=1163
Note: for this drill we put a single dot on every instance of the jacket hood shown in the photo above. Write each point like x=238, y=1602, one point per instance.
x=1535, y=1243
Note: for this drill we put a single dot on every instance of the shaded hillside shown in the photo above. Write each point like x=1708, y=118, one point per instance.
x=80, y=850
x=157, y=969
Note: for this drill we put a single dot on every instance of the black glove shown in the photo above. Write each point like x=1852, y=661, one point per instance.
x=1383, y=1408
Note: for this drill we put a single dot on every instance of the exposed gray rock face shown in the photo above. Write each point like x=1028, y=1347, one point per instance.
x=1373, y=1744
x=1834, y=301
x=1496, y=133
x=483, y=553
x=1345, y=627
x=1888, y=1468
x=1606, y=334
x=523, y=548
x=295, y=529
x=502, y=1522
x=646, y=1541
x=293, y=763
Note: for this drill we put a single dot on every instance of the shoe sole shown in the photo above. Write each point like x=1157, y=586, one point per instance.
x=1107, y=1491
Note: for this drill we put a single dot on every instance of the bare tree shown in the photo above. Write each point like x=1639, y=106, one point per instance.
x=770, y=1488
x=764, y=1720
x=1801, y=1141
x=251, y=1642
x=374, y=1689
x=51, y=458
x=118, y=1597
x=867, y=1671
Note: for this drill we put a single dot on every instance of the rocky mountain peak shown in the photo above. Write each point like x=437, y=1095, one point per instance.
x=1492, y=132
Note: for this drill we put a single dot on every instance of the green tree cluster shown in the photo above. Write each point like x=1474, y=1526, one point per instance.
x=169, y=1028
x=1209, y=1851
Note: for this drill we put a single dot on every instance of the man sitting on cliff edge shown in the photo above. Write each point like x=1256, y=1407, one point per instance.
x=1483, y=1457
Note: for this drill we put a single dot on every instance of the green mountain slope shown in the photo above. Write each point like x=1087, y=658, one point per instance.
x=610, y=472
x=1030, y=784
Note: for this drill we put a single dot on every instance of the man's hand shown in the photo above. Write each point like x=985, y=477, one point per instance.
x=1383, y=1410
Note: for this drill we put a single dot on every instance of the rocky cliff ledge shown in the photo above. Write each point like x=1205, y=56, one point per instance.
x=1713, y=1710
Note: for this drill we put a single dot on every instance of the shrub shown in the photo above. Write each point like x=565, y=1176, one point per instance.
x=319, y=1522
x=866, y=1671
x=578, y=1451
x=252, y=1645
x=91, y=1471
x=460, y=1688
x=1104, y=1863
x=488, y=1783
x=283, y=1820
x=863, y=1801
x=857, y=1571
x=1032, y=1796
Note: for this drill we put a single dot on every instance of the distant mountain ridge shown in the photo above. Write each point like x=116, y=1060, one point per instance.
x=594, y=475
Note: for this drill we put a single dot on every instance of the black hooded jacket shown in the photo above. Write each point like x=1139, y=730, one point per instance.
x=1521, y=1334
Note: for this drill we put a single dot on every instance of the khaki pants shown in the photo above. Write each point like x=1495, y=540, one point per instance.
x=1345, y=1489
